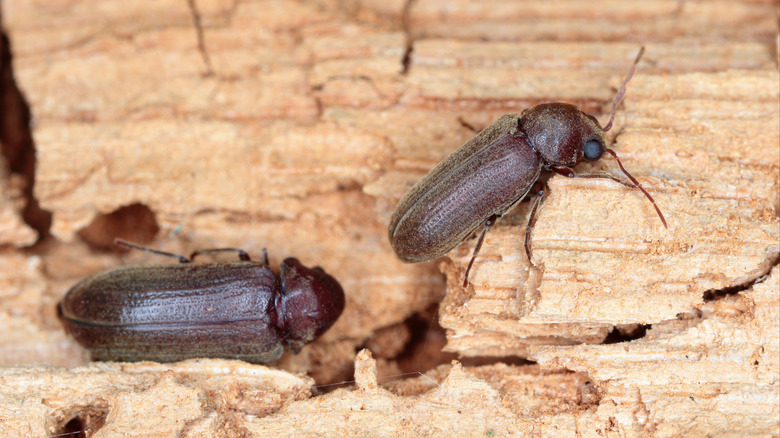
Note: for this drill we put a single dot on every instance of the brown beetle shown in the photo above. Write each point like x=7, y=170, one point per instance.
x=171, y=312
x=491, y=173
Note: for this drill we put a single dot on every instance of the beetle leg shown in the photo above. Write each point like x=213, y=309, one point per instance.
x=265, y=257
x=126, y=244
x=467, y=125
x=568, y=172
x=639, y=186
x=242, y=255
x=488, y=223
x=539, y=188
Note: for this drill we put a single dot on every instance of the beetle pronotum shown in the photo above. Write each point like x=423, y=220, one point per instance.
x=491, y=173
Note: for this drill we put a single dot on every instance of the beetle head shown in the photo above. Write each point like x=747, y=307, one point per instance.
x=561, y=133
x=311, y=301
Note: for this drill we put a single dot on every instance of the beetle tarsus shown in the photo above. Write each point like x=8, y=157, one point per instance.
x=564, y=171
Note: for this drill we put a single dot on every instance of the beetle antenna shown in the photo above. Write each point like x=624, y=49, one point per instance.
x=658, y=210
x=622, y=91
x=126, y=244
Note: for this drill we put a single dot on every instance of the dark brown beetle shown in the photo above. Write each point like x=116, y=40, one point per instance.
x=491, y=173
x=171, y=312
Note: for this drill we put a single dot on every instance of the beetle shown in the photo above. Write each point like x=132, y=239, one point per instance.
x=491, y=173
x=228, y=309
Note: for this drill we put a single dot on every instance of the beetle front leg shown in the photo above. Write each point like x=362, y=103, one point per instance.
x=569, y=172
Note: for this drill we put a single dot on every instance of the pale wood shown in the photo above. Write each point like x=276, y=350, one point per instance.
x=720, y=369
x=303, y=131
x=13, y=230
x=606, y=20
x=222, y=161
x=202, y=397
x=711, y=159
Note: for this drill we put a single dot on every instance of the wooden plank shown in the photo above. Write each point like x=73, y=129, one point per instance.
x=297, y=126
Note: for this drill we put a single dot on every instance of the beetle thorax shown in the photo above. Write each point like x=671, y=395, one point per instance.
x=559, y=131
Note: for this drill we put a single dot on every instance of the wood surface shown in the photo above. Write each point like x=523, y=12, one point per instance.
x=297, y=125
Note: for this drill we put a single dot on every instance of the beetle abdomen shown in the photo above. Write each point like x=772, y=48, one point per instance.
x=485, y=176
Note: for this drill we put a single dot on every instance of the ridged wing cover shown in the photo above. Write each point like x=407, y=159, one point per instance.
x=177, y=311
x=487, y=175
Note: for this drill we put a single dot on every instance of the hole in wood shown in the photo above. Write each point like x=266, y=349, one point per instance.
x=135, y=223
x=83, y=422
x=627, y=333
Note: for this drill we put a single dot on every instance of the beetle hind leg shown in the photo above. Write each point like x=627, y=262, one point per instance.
x=539, y=188
x=488, y=223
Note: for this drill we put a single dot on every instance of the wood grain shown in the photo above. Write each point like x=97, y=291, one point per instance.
x=604, y=256
x=298, y=125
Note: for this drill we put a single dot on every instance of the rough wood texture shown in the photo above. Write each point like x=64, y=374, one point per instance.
x=711, y=161
x=711, y=373
x=112, y=399
x=13, y=230
x=299, y=126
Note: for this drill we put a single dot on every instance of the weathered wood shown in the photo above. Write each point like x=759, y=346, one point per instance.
x=709, y=157
x=298, y=129
x=143, y=399
x=13, y=230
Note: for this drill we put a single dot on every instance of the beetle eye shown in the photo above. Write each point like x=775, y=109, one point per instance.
x=593, y=150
